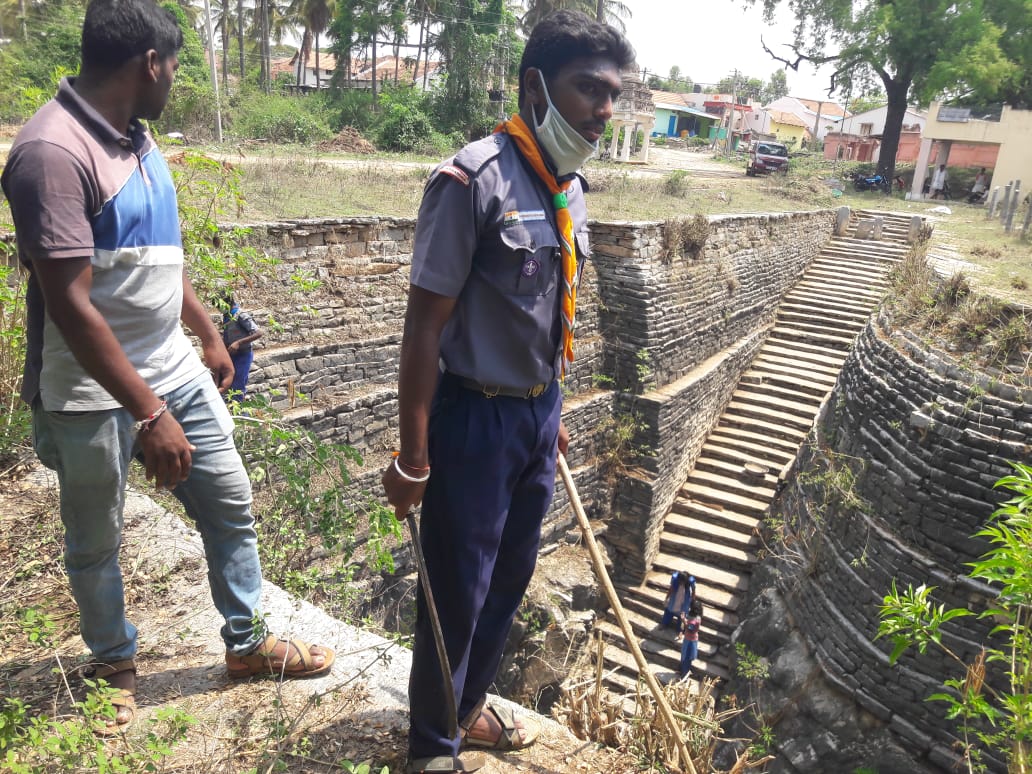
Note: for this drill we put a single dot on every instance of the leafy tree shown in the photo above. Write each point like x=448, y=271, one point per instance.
x=919, y=49
x=675, y=82
x=998, y=717
x=612, y=12
x=1014, y=17
x=776, y=88
x=741, y=85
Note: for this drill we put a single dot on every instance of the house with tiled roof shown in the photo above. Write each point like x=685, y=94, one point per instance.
x=787, y=128
x=677, y=117
x=818, y=116
x=389, y=69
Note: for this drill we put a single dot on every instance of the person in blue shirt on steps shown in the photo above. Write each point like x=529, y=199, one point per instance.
x=678, y=598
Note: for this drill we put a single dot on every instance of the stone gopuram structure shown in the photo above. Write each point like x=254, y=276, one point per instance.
x=633, y=111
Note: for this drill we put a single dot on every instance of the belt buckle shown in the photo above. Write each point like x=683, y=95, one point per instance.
x=488, y=393
x=535, y=391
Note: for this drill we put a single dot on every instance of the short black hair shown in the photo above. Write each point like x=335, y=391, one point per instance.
x=566, y=35
x=117, y=30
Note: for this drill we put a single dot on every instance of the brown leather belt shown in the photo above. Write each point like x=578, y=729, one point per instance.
x=494, y=390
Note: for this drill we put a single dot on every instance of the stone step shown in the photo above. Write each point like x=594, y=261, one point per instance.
x=816, y=372
x=733, y=484
x=686, y=513
x=730, y=435
x=812, y=298
x=857, y=315
x=833, y=276
x=848, y=269
x=853, y=295
x=772, y=388
x=783, y=377
x=717, y=624
x=682, y=541
x=815, y=320
x=800, y=405
x=754, y=425
x=741, y=453
x=718, y=498
x=736, y=469
x=799, y=333
x=709, y=576
x=658, y=645
x=830, y=359
x=624, y=669
x=771, y=413
x=775, y=340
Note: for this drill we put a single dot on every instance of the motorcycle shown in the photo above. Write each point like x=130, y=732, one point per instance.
x=873, y=182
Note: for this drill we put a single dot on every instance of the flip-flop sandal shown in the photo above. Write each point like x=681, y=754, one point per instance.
x=264, y=662
x=512, y=736
x=445, y=764
x=121, y=699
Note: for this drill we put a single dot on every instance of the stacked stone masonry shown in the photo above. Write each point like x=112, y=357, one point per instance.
x=662, y=333
x=933, y=438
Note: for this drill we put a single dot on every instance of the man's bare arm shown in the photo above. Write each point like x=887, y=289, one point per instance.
x=425, y=318
x=66, y=286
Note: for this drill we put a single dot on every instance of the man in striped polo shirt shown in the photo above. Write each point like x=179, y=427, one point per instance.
x=109, y=372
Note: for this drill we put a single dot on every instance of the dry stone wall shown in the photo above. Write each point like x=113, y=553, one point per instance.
x=923, y=439
x=668, y=316
x=663, y=330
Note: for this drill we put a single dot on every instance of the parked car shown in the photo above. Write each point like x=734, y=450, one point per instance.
x=767, y=157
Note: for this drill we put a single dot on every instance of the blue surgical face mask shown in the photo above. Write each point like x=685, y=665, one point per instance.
x=564, y=144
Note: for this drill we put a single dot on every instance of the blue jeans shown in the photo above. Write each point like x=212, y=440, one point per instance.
x=689, y=652
x=91, y=451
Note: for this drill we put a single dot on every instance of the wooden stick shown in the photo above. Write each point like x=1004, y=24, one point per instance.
x=665, y=710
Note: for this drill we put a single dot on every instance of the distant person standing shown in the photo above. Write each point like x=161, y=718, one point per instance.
x=690, y=625
x=239, y=332
x=939, y=182
x=979, y=187
x=678, y=598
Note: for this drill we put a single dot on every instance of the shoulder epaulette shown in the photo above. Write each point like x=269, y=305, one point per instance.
x=469, y=161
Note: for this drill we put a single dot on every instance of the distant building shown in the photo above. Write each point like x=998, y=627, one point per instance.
x=677, y=117
x=950, y=127
x=861, y=135
x=820, y=116
x=389, y=69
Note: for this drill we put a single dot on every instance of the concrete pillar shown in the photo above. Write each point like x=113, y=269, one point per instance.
x=625, y=151
x=1015, y=203
x=914, y=231
x=921, y=169
x=841, y=221
x=1005, y=202
x=648, y=127
x=991, y=210
x=614, y=144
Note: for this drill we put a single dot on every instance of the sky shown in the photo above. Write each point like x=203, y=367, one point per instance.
x=708, y=41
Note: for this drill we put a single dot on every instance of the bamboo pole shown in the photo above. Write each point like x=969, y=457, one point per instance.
x=665, y=710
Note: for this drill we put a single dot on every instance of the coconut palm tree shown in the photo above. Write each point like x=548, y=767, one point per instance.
x=612, y=12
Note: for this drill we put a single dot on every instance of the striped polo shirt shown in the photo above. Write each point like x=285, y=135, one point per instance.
x=79, y=188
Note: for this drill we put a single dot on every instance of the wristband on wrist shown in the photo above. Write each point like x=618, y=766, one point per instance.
x=414, y=479
x=144, y=424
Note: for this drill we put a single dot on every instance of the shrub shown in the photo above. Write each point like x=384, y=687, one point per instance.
x=278, y=118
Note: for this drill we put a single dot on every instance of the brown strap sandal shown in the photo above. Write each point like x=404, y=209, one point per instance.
x=296, y=659
x=121, y=677
x=513, y=733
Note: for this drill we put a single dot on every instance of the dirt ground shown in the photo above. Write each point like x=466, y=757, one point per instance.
x=358, y=713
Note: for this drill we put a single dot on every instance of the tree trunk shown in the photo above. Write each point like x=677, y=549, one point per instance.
x=373, y=81
x=397, y=58
x=600, y=11
x=317, y=62
x=240, y=37
x=419, y=48
x=225, y=49
x=896, y=92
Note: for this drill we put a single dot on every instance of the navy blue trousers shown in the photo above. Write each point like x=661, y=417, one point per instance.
x=493, y=462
